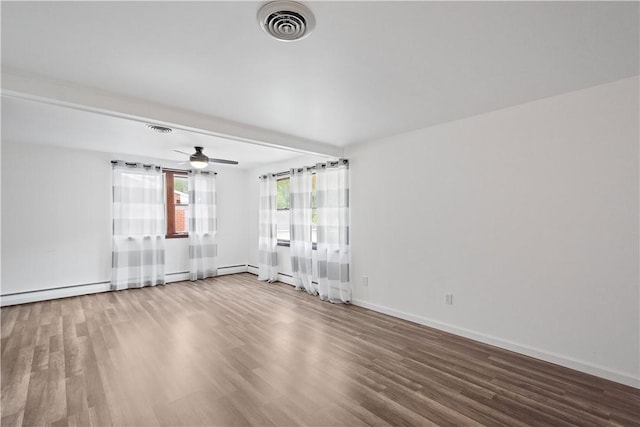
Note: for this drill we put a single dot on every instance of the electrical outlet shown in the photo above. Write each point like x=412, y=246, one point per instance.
x=365, y=280
x=448, y=299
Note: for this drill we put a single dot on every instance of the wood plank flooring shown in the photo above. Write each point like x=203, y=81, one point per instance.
x=232, y=351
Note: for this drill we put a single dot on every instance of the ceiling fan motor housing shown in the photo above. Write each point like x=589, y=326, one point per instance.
x=199, y=159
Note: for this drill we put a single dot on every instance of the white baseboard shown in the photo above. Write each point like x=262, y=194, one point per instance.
x=286, y=279
x=47, y=294
x=281, y=277
x=94, y=288
x=176, y=277
x=547, y=356
x=223, y=271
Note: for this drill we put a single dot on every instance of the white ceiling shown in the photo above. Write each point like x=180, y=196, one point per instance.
x=25, y=121
x=370, y=69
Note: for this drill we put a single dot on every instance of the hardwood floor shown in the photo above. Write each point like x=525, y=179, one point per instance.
x=234, y=351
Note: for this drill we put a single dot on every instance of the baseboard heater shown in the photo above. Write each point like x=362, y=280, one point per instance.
x=25, y=297
x=54, y=289
x=279, y=274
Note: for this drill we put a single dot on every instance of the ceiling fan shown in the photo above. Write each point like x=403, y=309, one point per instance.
x=200, y=160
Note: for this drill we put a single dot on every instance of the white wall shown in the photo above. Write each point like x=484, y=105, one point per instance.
x=528, y=215
x=233, y=216
x=56, y=219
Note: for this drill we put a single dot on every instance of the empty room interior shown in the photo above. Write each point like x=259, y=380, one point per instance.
x=320, y=213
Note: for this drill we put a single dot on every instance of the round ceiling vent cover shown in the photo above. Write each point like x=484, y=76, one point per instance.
x=286, y=20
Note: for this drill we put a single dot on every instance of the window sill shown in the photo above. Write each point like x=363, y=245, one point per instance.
x=176, y=236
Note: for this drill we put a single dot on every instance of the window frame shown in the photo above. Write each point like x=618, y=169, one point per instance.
x=170, y=204
x=281, y=242
x=287, y=243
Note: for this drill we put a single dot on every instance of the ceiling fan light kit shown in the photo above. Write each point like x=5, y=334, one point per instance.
x=198, y=159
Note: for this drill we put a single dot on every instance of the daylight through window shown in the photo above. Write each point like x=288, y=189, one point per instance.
x=177, y=186
x=282, y=204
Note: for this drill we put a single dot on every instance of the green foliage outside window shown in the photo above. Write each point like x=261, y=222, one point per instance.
x=282, y=197
x=181, y=184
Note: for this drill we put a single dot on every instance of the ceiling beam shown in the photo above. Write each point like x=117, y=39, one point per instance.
x=70, y=95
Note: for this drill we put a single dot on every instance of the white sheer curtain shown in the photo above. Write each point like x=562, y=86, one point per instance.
x=138, y=226
x=332, y=186
x=300, y=228
x=203, y=247
x=268, y=237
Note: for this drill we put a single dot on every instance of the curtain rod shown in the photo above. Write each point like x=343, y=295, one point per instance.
x=314, y=167
x=134, y=165
x=189, y=171
x=175, y=170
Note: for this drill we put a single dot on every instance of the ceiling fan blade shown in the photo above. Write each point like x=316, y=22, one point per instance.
x=229, y=162
x=183, y=163
x=182, y=152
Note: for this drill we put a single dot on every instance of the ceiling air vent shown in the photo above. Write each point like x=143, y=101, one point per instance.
x=159, y=129
x=286, y=20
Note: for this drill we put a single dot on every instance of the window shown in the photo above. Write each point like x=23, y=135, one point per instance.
x=177, y=186
x=282, y=215
x=282, y=205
